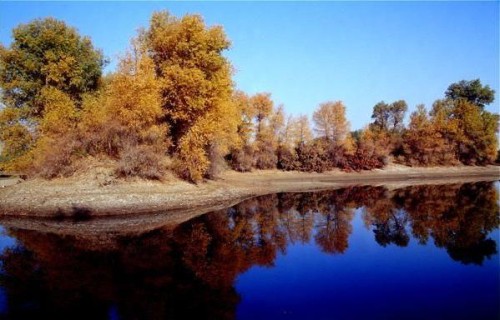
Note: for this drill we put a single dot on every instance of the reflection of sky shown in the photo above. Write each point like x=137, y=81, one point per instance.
x=369, y=281
x=5, y=242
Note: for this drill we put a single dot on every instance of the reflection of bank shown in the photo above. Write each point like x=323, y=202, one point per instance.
x=189, y=269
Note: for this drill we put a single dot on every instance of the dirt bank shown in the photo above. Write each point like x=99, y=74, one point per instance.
x=97, y=194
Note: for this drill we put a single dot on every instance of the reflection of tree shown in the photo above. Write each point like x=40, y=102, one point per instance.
x=333, y=229
x=458, y=217
x=142, y=279
x=297, y=216
x=388, y=221
x=392, y=229
x=189, y=271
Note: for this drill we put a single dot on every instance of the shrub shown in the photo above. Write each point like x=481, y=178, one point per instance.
x=241, y=159
x=287, y=160
x=265, y=158
x=364, y=160
x=217, y=163
x=141, y=161
x=312, y=157
x=54, y=158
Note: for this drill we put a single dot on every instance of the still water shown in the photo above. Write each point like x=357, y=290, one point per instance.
x=424, y=252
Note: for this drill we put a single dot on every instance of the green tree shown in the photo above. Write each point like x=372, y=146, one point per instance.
x=472, y=91
x=44, y=75
x=47, y=52
x=389, y=117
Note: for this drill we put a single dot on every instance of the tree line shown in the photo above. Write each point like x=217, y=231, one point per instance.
x=172, y=105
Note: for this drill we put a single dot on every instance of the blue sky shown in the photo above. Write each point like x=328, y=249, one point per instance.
x=306, y=53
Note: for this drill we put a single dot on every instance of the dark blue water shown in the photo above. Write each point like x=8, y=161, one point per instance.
x=427, y=252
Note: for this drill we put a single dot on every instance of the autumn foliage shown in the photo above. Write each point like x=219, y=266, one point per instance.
x=171, y=105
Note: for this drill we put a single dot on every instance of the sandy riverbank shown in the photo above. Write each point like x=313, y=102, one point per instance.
x=97, y=194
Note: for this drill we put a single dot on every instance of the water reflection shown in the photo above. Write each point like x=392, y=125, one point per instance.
x=189, y=271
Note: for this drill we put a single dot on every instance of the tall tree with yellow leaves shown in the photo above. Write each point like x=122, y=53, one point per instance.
x=263, y=106
x=134, y=98
x=269, y=120
x=241, y=154
x=196, y=87
x=303, y=132
x=331, y=124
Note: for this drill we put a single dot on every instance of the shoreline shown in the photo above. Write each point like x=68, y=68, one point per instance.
x=94, y=195
x=100, y=213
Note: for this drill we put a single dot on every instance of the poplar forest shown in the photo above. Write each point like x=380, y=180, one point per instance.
x=172, y=106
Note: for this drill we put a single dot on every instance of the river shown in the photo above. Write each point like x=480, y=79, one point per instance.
x=423, y=252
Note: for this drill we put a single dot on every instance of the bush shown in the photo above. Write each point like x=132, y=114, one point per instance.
x=141, y=161
x=54, y=158
x=336, y=157
x=363, y=160
x=312, y=157
x=110, y=138
x=217, y=163
x=265, y=158
x=287, y=160
x=241, y=159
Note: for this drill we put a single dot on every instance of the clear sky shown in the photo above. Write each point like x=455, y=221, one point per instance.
x=306, y=53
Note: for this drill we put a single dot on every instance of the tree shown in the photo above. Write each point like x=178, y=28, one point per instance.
x=389, y=117
x=303, y=130
x=476, y=136
x=330, y=122
x=334, y=135
x=269, y=121
x=134, y=116
x=287, y=133
x=241, y=154
x=381, y=116
x=398, y=110
x=246, y=113
x=472, y=91
x=468, y=129
x=47, y=52
x=388, y=124
x=262, y=106
x=15, y=136
x=423, y=143
x=44, y=76
x=196, y=89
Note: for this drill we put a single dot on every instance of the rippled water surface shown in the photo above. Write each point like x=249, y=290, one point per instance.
x=424, y=252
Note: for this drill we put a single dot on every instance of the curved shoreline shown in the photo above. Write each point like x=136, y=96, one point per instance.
x=100, y=214
x=83, y=198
